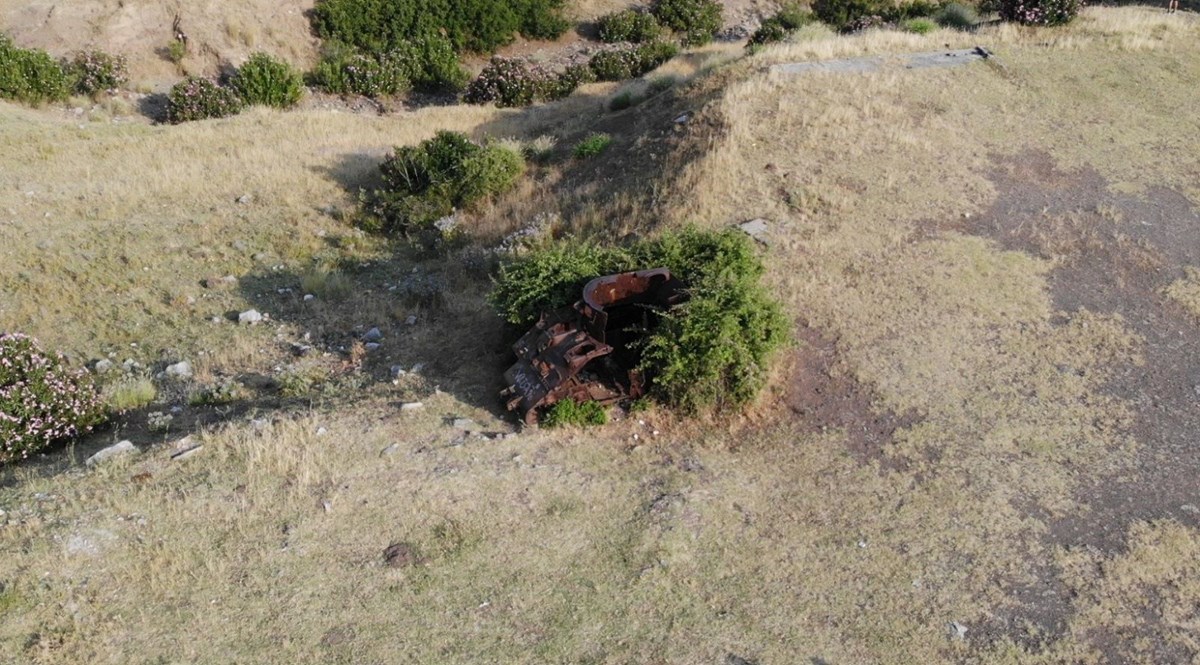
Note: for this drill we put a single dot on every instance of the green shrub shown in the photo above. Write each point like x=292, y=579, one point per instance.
x=570, y=412
x=920, y=26
x=591, y=146
x=92, y=72
x=176, y=51
x=695, y=21
x=428, y=63
x=508, y=82
x=630, y=25
x=41, y=400
x=629, y=61
x=854, y=15
x=196, y=98
x=566, y=82
x=957, y=16
x=30, y=75
x=377, y=26
x=267, y=81
x=776, y=28
x=1039, y=12
x=623, y=101
x=709, y=352
x=427, y=182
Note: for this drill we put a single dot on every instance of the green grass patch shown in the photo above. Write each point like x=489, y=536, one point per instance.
x=580, y=414
x=591, y=146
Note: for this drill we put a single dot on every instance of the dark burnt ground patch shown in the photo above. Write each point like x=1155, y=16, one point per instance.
x=1115, y=254
x=823, y=394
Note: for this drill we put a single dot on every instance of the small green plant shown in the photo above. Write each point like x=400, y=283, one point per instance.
x=630, y=25
x=427, y=182
x=661, y=84
x=301, y=380
x=196, y=98
x=920, y=26
x=30, y=75
x=957, y=16
x=129, y=393
x=591, y=146
x=93, y=72
x=570, y=412
x=695, y=21
x=623, y=101
x=326, y=284
x=857, y=15
x=267, y=81
x=177, y=51
x=540, y=148
x=223, y=392
x=41, y=400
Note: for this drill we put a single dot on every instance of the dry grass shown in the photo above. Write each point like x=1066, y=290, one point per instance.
x=1186, y=291
x=755, y=537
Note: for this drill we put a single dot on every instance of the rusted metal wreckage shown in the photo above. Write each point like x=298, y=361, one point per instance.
x=585, y=351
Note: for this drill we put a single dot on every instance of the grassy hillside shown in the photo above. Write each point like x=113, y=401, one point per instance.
x=978, y=450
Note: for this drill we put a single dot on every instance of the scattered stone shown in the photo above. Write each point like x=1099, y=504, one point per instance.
x=180, y=370
x=308, y=297
x=90, y=543
x=683, y=119
x=397, y=372
x=244, y=199
x=757, y=228
x=238, y=245
x=327, y=505
x=371, y=346
x=1196, y=389
x=417, y=368
x=400, y=555
x=103, y=366
x=410, y=407
x=464, y=424
x=110, y=452
x=250, y=317
x=411, y=320
x=373, y=335
x=260, y=424
x=218, y=282
x=321, y=431
x=958, y=631
x=186, y=453
x=390, y=450
x=301, y=349
x=1189, y=508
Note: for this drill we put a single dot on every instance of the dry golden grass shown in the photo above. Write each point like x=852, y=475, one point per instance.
x=755, y=537
x=1186, y=291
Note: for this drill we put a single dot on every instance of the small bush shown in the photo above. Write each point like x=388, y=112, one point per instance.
x=1039, y=12
x=428, y=63
x=93, y=72
x=427, y=182
x=580, y=414
x=777, y=28
x=30, y=75
x=629, y=61
x=920, y=26
x=623, y=101
x=695, y=21
x=176, y=51
x=542, y=19
x=196, y=98
x=957, y=16
x=267, y=81
x=566, y=82
x=508, y=82
x=41, y=400
x=129, y=393
x=630, y=25
x=856, y=15
x=709, y=352
x=591, y=146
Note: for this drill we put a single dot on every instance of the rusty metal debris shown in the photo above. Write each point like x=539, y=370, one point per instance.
x=586, y=351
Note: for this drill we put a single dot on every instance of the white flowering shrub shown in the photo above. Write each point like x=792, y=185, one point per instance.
x=41, y=399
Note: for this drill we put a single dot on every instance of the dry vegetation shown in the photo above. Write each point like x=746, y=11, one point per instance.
x=768, y=538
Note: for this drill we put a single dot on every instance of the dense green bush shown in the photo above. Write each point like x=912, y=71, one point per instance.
x=631, y=25
x=570, y=412
x=267, y=81
x=776, y=28
x=197, y=98
x=92, y=72
x=30, y=75
x=511, y=82
x=957, y=16
x=377, y=26
x=920, y=26
x=709, y=352
x=630, y=61
x=566, y=82
x=427, y=182
x=695, y=21
x=41, y=400
x=591, y=146
x=854, y=15
x=428, y=63
x=1039, y=12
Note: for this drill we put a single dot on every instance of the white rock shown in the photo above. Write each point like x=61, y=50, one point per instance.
x=250, y=317
x=390, y=450
x=372, y=346
x=308, y=297
x=373, y=335
x=180, y=370
x=958, y=631
x=756, y=228
x=111, y=451
x=398, y=371
x=463, y=424
x=103, y=366
x=411, y=320
x=411, y=407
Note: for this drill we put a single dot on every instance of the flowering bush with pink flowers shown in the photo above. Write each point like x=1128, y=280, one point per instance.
x=511, y=82
x=1040, y=12
x=41, y=399
x=93, y=72
x=196, y=98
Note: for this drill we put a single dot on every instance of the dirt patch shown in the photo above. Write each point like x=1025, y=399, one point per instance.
x=1115, y=253
x=824, y=394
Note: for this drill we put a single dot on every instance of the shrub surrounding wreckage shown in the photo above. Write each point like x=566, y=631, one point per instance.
x=708, y=349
